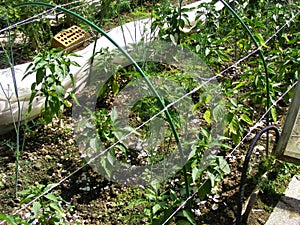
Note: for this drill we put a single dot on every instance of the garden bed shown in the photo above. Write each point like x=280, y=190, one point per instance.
x=52, y=153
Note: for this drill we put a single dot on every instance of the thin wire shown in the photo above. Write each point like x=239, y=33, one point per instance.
x=26, y=20
x=287, y=22
x=163, y=110
x=260, y=47
x=197, y=190
x=124, y=137
x=259, y=122
x=110, y=147
x=32, y=19
x=251, y=129
x=183, y=204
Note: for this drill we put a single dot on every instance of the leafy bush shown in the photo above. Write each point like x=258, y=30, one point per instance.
x=48, y=209
x=220, y=41
x=51, y=68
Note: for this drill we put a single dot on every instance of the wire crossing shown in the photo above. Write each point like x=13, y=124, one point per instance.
x=162, y=111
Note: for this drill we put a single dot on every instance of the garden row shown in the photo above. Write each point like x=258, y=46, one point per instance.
x=153, y=128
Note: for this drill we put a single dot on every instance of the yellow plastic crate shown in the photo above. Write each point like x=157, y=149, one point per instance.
x=70, y=38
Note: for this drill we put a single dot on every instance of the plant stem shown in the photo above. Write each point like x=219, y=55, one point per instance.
x=178, y=28
x=17, y=128
x=127, y=55
x=261, y=54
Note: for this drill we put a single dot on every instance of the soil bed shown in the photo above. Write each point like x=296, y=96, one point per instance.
x=51, y=154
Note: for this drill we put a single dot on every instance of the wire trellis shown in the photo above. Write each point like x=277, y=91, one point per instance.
x=257, y=124
x=37, y=17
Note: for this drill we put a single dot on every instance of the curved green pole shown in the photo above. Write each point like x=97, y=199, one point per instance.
x=135, y=65
x=261, y=54
x=239, y=210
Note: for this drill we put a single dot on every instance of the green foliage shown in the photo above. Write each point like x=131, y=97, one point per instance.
x=48, y=209
x=220, y=41
x=170, y=21
x=51, y=68
x=13, y=220
x=205, y=163
x=26, y=38
x=104, y=64
x=8, y=14
x=160, y=202
x=108, y=132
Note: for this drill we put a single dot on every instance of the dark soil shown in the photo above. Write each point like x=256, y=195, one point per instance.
x=50, y=154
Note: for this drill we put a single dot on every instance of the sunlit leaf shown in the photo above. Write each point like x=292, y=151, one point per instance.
x=156, y=208
x=36, y=206
x=94, y=144
x=207, y=116
x=246, y=119
x=115, y=87
x=8, y=218
x=219, y=113
x=189, y=216
x=155, y=185
x=114, y=115
x=223, y=164
x=274, y=114
x=196, y=173
x=234, y=125
x=51, y=197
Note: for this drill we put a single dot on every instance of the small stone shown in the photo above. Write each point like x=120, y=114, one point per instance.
x=197, y=212
x=38, y=165
x=27, y=215
x=214, y=207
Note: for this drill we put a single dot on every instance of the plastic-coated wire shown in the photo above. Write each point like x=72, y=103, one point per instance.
x=261, y=54
x=159, y=113
x=256, y=125
x=125, y=53
x=256, y=44
x=261, y=119
x=260, y=47
x=143, y=124
x=110, y=147
x=245, y=168
x=171, y=104
x=258, y=122
x=32, y=19
x=93, y=55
